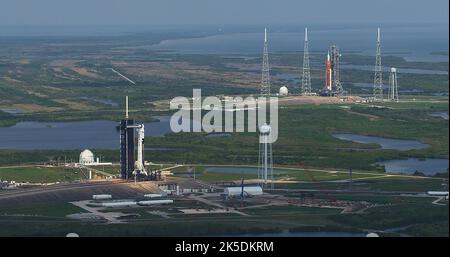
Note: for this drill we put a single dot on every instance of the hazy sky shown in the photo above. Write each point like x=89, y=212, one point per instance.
x=115, y=12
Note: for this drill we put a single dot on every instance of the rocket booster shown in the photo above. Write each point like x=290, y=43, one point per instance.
x=328, y=72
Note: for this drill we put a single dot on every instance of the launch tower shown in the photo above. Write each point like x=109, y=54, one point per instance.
x=333, y=86
x=126, y=145
x=378, y=79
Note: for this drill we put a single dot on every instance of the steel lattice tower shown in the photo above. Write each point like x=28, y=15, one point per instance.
x=337, y=88
x=265, y=79
x=393, y=86
x=378, y=79
x=306, y=78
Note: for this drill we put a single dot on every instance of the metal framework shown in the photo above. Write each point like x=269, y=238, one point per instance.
x=306, y=78
x=378, y=79
x=393, y=86
x=265, y=79
x=336, y=76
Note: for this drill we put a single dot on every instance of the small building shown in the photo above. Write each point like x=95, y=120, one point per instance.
x=87, y=159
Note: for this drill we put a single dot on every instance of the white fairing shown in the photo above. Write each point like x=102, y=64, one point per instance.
x=101, y=197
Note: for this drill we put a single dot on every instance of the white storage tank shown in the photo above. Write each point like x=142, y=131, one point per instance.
x=153, y=195
x=119, y=204
x=101, y=197
x=153, y=202
x=248, y=190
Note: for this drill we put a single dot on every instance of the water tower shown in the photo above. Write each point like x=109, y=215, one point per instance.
x=393, y=86
x=265, y=161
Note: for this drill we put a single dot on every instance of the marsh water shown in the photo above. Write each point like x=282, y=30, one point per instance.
x=428, y=167
x=385, y=143
x=97, y=134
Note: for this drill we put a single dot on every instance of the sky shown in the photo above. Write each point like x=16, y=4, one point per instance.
x=205, y=12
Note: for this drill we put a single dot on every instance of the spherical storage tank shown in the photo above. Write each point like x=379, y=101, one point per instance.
x=264, y=129
x=86, y=157
x=283, y=91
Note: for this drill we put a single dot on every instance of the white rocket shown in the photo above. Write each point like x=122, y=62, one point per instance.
x=139, y=164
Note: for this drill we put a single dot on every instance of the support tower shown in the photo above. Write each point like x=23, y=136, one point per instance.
x=265, y=79
x=127, y=161
x=378, y=79
x=306, y=78
x=337, y=89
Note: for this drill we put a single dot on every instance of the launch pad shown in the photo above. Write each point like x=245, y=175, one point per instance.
x=132, y=162
x=333, y=86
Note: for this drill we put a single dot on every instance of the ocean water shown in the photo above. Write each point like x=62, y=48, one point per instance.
x=415, y=43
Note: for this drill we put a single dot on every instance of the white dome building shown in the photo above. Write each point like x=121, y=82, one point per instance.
x=283, y=91
x=372, y=235
x=86, y=157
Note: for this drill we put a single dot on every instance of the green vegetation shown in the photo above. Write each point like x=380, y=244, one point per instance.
x=411, y=211
x=40, y=210
x=40, y=174
x=52, y=84
x=402, y=216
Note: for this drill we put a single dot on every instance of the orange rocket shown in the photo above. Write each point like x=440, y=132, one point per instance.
x=328, y=73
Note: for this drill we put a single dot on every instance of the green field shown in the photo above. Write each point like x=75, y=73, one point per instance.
x=404, y=216
x=40, y=174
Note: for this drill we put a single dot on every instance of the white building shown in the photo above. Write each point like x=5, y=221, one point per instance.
x=283, y=91
x=86, y=157
x=248, y=191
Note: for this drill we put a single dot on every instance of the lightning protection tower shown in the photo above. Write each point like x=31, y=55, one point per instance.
x=378, y=79
x=393, y=86
x=306, y=78
x=265, y=79
x=265, y=166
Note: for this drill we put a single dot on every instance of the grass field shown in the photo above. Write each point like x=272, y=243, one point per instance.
x=40, y=174
x=405, y=216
